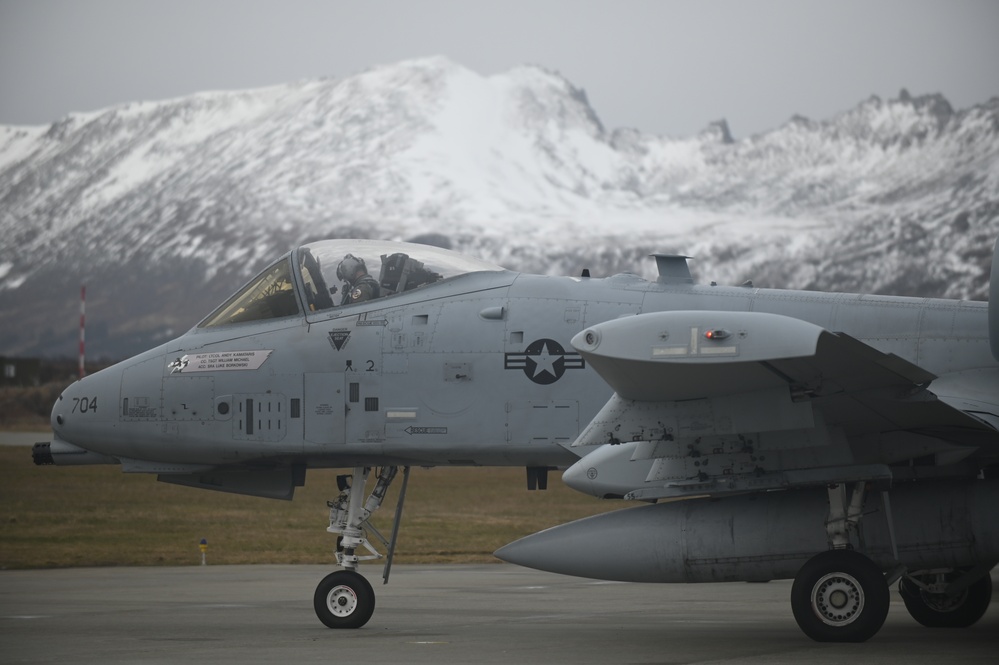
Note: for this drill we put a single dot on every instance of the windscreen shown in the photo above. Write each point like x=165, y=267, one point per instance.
x=270, y=295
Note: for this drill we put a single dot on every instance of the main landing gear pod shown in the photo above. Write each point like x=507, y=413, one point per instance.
x=844, y=546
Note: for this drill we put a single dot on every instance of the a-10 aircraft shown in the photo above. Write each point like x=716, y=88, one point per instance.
x=845, y=441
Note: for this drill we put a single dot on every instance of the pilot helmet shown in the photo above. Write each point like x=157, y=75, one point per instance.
x=349, y=267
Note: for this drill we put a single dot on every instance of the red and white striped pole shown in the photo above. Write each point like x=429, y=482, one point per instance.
x=83, y=315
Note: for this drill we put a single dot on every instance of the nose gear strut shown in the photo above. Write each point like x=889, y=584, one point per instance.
x=344, y=599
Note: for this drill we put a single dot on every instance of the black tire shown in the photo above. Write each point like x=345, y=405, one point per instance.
x=840, y=596
x=938, y=610
x=344, y=599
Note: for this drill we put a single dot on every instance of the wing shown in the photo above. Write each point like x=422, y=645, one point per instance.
x=709, y=403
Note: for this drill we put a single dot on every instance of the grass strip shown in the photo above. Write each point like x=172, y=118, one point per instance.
x=53, y=517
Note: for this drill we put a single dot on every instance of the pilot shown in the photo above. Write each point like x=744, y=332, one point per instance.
x=359, y=285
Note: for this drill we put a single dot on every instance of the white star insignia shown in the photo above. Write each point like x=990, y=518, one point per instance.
x=544, y=362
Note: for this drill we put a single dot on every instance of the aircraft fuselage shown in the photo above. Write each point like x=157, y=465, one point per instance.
x=482, y=373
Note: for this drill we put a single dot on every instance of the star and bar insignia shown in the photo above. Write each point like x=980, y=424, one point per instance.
x=544, y=361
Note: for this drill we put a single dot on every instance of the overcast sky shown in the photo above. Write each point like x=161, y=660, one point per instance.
x=666, y=67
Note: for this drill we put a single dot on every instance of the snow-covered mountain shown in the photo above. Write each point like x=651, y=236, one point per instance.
x=164, y=208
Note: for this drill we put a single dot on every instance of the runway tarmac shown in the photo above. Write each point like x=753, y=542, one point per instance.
x=433, y=614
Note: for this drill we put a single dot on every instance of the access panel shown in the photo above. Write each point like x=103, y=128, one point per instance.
x=323, y=409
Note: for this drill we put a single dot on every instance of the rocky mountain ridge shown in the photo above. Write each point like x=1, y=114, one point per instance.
x=163, y=208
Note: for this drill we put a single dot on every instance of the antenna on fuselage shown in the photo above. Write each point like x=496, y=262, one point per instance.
x=673, y=269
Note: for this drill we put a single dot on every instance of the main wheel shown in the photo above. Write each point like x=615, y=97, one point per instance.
x=840, y=596
x=344, y=599
x=939, y=610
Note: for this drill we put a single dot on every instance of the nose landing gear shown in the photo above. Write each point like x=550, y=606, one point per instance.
x=345, y=599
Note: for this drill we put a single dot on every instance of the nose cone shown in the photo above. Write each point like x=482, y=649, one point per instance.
x=86, y=413
x=56, y=418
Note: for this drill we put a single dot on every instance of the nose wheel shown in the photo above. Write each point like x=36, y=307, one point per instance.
x=344, y=599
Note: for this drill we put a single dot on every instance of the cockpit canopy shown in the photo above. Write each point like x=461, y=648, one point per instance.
x=312, y=276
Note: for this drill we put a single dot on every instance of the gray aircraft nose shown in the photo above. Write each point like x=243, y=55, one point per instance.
x=87, y=411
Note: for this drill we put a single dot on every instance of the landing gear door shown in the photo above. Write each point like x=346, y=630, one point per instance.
x=323, y=409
